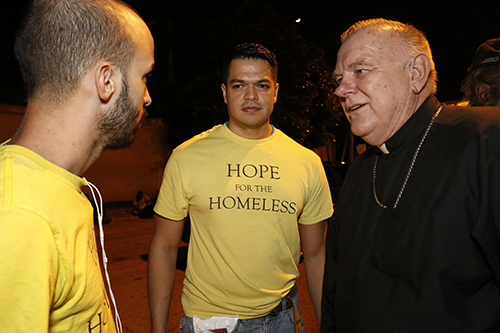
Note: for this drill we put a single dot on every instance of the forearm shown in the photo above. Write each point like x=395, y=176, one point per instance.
x=313, y=249
x=161, y=279
x=314, y=267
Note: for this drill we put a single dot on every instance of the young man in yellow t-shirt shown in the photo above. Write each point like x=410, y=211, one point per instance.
x=250, y=192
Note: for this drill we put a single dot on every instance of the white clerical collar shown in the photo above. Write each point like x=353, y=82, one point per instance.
x=383, y=148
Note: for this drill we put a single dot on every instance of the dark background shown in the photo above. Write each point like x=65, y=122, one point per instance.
x=454, y=29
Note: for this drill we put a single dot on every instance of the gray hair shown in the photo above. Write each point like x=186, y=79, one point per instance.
x=412, y=40
x=488, y=75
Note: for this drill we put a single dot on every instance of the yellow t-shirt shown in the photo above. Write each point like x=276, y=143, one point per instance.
x=244, y=199
x=50, y=280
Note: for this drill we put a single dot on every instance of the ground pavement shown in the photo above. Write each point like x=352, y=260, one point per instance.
x=127, y=242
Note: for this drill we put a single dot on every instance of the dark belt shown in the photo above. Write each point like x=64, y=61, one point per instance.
x=288, y=300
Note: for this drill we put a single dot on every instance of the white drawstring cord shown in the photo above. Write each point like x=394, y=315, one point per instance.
x=98, y=205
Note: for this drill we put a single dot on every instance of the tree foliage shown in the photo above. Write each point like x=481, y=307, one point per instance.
x=186, y=88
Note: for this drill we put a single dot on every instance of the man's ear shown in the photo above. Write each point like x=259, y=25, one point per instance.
x=104, y=81
x=223, y=87
x=276, y=92
x=420, y=71
x=482, y=91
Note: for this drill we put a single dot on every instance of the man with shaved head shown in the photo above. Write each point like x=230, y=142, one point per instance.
x=84, y=64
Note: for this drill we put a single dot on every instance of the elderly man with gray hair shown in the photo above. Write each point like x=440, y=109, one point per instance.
x=414, y=242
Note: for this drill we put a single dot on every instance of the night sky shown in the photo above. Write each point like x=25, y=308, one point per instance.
x=454, y=28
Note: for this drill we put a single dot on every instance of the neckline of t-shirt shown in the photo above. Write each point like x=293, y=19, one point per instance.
x=249, y=142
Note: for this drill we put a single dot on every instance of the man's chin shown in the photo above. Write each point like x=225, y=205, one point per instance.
x=363, y=133
x=357, y=130
x=121, y=144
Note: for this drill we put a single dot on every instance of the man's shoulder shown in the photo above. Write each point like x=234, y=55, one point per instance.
x=22, y=217
x=201, y=139
x=480, y=118
x=469, y=127
x=294, y=145
x=31, y=184
x=472, y=112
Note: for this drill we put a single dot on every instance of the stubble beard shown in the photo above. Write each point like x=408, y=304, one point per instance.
x=118, y=125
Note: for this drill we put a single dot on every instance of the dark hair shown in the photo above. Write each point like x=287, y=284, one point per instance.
x=60, y=40
x=249, y=51
x=489, y=75
x=139, y=195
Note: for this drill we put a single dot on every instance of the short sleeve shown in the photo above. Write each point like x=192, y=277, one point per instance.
x=172, y=202
x=318, y=206
x=28, y=274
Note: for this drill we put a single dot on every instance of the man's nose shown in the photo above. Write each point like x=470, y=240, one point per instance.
x=251, y=94
x=345, y=87
x=147, y=98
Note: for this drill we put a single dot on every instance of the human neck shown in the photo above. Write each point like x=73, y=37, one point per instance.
x=61, y=136
x=256, y=133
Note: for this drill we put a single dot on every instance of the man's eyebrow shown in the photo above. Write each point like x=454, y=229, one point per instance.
x=337, y=74
x=236, y=80
x=357, y=63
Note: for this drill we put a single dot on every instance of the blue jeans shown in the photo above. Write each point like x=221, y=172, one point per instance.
x=281, y=323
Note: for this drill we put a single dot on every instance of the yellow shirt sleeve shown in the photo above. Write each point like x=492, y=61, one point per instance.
x=29, y=269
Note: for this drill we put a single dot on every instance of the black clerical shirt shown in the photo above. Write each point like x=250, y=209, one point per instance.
x=433, y=263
